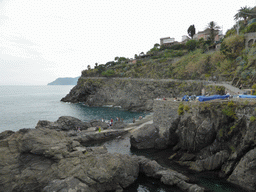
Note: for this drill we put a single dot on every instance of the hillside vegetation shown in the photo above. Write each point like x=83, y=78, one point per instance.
x=196, y=60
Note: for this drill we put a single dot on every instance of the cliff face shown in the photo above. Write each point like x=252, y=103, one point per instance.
x=130, y=94
x=218, y=135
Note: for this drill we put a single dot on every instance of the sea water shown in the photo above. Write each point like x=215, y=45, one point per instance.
x=23, y=106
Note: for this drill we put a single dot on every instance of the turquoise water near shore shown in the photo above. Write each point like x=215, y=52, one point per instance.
x=24, y=106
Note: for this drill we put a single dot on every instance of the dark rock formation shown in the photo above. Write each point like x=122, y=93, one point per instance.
x=210, y=163
x=145, y=137
x=195, y=133
x=47, y=160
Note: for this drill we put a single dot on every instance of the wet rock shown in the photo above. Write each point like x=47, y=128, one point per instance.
x=144, y=138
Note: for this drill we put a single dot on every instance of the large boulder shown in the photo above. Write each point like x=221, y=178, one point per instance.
x=64, y=123
x=145, y=137
x=67, y=123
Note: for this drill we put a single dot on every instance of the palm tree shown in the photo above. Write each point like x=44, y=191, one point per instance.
x=243, y=12
x=214, y=28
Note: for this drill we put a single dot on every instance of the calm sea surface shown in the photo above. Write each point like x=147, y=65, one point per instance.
x=23, y=106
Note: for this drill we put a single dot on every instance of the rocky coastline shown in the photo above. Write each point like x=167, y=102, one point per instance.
x=51, y=158
x=214, y=136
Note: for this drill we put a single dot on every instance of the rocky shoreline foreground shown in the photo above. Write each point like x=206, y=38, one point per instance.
x=52, y=158
x=217, y=136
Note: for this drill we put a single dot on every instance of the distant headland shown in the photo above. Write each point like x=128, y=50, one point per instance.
x=65, y=81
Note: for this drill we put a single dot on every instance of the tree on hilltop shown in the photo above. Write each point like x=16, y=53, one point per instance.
x=243, y=12
x=191, y=31
x=214, y=28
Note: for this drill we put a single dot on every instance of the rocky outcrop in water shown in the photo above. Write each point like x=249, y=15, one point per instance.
x=130, y=94
x=47, y=160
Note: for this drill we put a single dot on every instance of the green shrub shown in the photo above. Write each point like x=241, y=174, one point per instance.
x=232, y=46
x=108, y=73
x=229, y=110
x=191, y=45
x=181, y=109
x=252, y=118
x=220, y=90
x=250, y=28
x=186, y=108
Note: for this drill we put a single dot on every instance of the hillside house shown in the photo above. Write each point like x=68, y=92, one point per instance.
x=167, y=41
x=184, y=39
x=206, y=34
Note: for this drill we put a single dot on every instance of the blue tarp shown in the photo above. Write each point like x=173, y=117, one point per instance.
x=212, y=97
x=187, y=98
x=247, y=96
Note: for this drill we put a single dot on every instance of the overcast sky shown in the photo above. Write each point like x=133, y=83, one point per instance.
x=41, y=40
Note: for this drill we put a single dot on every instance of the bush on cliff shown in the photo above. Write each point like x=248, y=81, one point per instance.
x=181, y=109
x=232, y=46
x=108, y=73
